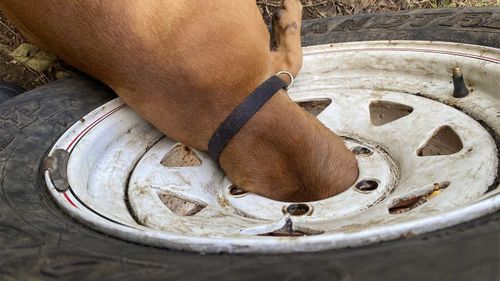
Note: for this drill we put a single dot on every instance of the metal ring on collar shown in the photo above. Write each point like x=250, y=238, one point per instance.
x=289, y=75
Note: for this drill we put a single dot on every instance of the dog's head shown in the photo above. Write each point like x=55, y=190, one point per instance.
x=286, y=154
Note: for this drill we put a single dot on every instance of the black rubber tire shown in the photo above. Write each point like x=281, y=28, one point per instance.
x=9, y=90
x=40, y=242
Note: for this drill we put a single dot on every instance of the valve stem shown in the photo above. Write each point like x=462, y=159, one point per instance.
x=460, y=90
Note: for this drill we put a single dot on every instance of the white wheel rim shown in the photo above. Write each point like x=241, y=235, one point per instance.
x=118, y=184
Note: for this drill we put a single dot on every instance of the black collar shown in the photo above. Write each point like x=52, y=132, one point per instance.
x=242, y=113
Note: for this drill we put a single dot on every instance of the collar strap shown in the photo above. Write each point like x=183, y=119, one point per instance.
x=242, y=113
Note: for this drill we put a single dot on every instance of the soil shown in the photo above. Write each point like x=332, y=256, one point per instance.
x=10, y=70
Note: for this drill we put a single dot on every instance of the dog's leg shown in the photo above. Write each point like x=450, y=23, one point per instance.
x=287, y=54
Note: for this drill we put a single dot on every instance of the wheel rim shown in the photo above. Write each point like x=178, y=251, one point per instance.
x=424, y=164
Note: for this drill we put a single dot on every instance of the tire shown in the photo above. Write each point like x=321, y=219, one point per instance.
x=40, y=242
x=8, y=91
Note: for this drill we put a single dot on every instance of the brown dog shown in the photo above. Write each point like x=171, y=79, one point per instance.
x=185, y=65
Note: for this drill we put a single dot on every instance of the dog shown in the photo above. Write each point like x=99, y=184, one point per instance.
x=185, y=65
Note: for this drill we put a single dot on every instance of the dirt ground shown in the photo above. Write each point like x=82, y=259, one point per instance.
x=16, y=72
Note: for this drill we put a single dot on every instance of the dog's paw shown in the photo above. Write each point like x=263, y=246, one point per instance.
x=286, y=37
x=286, y=22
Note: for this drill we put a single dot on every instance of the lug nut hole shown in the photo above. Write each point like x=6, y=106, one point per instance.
x=236, y=191
x=362, y=151
x=297, y=209
x=366, y=186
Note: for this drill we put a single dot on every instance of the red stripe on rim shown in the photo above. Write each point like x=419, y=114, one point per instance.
x=484, y=58
x=69, y=200
x=92, y=125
